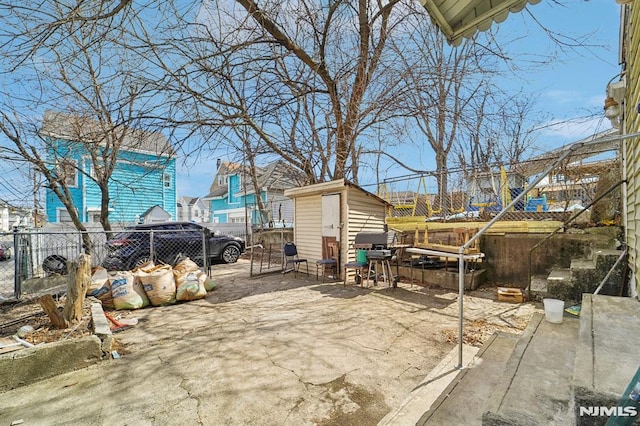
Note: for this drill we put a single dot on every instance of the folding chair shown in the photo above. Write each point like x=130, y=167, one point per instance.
x=330, y=261
x=291, y=258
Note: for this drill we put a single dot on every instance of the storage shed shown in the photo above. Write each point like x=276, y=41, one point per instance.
x=333, y=211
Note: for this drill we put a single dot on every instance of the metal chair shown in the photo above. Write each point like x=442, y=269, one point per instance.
x=360, y=265
x=291, y=258
x=330, y=261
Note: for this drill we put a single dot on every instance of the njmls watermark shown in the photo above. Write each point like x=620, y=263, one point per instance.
x=608, y=411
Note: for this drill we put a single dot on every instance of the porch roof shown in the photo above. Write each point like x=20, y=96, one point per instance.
x=459, y=19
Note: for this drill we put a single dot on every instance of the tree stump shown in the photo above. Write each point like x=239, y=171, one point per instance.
x=79, y=280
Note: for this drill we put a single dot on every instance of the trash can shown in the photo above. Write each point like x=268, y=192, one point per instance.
x=361, y=256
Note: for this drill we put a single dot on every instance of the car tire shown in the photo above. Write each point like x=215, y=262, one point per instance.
x=140, y=260
x=230, y=254
x=55, y=264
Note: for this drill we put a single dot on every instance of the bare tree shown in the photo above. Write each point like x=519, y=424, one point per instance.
x=446, y=83
x=81, y=67
x=307, y=81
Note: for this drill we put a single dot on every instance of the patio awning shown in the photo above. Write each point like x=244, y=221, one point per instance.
x=458, y=19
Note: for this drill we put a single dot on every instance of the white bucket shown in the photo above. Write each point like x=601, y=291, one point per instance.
x=553, y=310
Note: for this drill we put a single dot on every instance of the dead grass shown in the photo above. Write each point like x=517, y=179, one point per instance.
x=476, y=333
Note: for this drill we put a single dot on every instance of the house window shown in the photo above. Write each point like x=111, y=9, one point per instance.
x=94, y=217
x=237, y=220
x=166, y=179
x=67, y=172
x=63, y=215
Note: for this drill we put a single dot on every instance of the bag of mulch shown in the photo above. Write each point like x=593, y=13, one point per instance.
x=186, y=265
x=124, y=291
x=190, y=285
x=158, y=284
x=100, y=287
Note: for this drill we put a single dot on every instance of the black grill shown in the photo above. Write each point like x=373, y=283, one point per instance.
x=376, y=243
x=374, y=240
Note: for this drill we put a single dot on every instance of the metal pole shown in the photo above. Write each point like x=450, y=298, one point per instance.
x=17, y=261
x=519, y=197
x=460, y=304
x=205, y=254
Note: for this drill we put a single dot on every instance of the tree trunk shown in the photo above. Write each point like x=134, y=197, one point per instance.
x=79, y=280
x=441, y=203
x=50, y=308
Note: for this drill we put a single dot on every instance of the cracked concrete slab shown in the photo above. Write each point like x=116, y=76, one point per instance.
x=272, y=351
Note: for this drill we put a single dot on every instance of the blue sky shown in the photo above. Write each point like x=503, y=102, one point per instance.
x=570, y=87
x=567, y=89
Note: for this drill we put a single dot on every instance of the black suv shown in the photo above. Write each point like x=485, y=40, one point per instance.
x=170, y=241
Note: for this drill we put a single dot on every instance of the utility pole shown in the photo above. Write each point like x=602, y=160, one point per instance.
x=35, y=198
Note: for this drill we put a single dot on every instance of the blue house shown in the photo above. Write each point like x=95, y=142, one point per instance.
x=234, y=199
x=144, y=175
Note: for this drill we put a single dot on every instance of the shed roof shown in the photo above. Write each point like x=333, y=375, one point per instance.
x=458, y=19
x=328, y=187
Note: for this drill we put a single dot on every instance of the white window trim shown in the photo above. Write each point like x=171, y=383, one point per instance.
x=60, y=210
x=74, y=163
x=167, y=178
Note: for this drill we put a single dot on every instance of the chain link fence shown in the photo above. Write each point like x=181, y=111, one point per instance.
x=574, y=185
x=7, y=265
x=38, y=260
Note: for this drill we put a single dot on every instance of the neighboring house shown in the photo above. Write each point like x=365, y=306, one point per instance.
x=193, y=209
x=233, y=198
x=154, y=214
x=11, y=216
x=144, y=175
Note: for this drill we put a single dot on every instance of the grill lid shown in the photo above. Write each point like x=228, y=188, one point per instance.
x=374, y=240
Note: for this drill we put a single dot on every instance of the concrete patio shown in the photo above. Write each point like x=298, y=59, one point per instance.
x=271, y=350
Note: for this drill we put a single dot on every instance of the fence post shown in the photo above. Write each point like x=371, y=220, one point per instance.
x=205, y=251
x=151, y=253
x=17, y=261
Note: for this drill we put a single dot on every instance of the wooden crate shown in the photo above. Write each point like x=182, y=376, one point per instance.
x=513, y=295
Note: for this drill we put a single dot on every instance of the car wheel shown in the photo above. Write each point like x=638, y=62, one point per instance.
x=140, y=260
x=55, y=264
x=230, y=254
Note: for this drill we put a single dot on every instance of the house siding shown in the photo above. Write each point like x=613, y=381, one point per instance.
x=63, y=149
x=234, y=189
x=365, y=214
x=632, y=146
x=308, y=227
x=281, y=208
x=133, y=188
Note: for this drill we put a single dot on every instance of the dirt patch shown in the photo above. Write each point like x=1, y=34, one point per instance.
x=28, y=312
x=475, y=333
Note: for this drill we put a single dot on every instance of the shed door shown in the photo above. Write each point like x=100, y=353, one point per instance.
x=331, y=216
